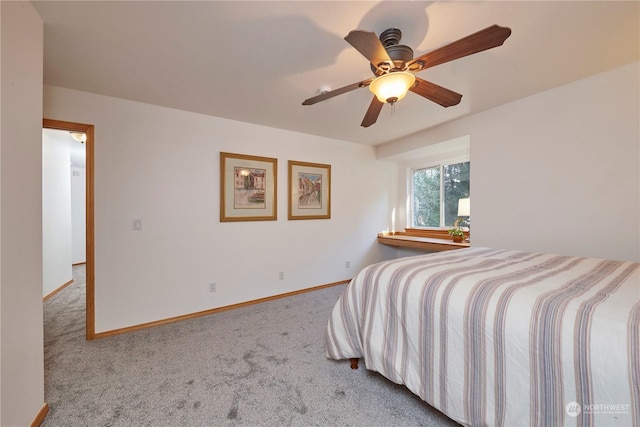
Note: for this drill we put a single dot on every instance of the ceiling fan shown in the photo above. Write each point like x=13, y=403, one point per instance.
x=394, y=66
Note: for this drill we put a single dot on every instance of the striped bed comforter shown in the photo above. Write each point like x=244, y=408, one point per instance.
x=500, y=337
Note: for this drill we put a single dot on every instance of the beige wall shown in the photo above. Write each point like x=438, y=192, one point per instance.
x=557, y=171
x=56, y=211
x=21, y=338
x=161, y=166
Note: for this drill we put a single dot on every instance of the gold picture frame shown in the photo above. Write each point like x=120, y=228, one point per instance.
x=248, y=188
x=309, y=190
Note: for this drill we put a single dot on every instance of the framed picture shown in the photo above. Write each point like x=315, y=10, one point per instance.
x=309, y=190
x=247, y=188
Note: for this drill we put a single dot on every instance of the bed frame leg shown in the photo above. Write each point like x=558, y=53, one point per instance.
x=354, y=363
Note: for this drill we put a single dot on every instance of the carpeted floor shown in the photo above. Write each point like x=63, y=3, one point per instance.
x=261, y=365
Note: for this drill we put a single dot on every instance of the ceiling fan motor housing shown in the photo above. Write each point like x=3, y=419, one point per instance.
x=390, y=37
x=399, y=54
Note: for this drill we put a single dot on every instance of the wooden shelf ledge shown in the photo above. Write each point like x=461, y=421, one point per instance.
x=422, y=239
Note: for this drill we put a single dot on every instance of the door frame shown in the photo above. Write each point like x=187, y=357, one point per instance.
x=89, y=215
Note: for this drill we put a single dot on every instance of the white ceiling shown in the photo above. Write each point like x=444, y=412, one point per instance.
x=257, y=61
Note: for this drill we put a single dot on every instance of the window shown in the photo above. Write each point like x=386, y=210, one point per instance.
x=435, y=192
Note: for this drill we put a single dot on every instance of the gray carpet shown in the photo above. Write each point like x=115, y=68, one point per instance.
x=261, y=365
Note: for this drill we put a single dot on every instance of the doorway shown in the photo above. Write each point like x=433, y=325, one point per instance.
x=88, y=130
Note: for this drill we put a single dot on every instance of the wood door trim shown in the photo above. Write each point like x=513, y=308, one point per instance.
x=90, y=218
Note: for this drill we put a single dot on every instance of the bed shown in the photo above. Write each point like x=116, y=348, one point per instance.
x=500, y=337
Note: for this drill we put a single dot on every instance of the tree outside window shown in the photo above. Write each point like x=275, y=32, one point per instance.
x=435, y=193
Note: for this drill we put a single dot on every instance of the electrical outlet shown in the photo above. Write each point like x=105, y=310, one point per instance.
x=347, y=264
x=281, y=275
x=212, y=287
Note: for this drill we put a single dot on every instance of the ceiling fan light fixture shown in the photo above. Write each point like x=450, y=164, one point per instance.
x=79, y=136
x=392, y=87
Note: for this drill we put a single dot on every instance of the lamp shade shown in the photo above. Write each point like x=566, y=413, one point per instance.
x=464, y=207
x=392, y=87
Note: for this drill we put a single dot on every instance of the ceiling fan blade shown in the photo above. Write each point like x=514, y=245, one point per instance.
x=372, y=113
x=438, y=94
x=488, y=38
x=369, y=45
x=326, y=95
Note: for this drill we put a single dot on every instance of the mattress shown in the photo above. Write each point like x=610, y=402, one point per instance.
x=500, y=337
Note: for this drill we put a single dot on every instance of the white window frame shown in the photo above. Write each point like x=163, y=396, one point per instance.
x=440, y=164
